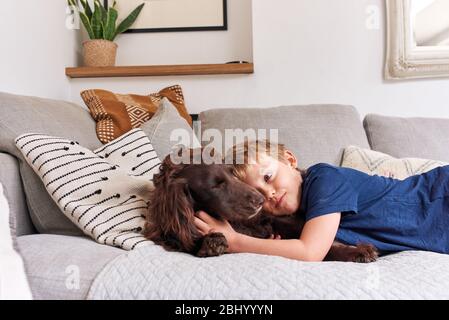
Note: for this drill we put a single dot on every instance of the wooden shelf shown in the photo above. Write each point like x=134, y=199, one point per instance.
x=161, y=70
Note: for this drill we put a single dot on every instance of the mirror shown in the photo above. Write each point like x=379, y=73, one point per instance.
x=418, y=39
x=430, y=22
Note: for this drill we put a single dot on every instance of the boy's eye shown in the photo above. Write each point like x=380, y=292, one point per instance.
x=267, y=177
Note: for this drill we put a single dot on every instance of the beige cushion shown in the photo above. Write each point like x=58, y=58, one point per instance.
x=163, y=127
x=374, y=162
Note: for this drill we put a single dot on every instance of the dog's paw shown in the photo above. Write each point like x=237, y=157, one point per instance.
x=214, y=244
x=364, y=253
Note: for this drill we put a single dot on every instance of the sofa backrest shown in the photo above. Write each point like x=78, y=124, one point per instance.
x=399, y=137
x=315, y=133
x=23, y=114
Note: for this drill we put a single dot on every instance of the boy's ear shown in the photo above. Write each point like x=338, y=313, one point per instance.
x=291, y=158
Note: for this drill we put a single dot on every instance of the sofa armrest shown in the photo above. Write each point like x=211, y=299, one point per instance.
x=13, y=189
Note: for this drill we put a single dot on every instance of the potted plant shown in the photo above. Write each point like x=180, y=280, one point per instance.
x=101, y=26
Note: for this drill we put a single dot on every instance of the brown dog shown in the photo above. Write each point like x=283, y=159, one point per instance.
x=183, y=189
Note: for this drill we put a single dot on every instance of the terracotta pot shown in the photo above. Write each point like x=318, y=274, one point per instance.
x=99, y=53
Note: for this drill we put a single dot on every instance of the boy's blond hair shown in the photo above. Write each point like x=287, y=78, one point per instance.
x=248, y=152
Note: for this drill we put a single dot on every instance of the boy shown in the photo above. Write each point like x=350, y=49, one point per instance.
x=339, y=203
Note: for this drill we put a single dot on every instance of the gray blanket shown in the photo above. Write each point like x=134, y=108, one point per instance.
x=152, y=273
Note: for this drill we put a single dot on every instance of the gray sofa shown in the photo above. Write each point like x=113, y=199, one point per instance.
x=62, y=263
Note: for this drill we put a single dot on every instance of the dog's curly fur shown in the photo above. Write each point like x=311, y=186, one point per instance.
x=183, y=189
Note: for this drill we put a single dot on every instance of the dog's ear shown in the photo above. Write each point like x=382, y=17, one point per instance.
x=171, y=214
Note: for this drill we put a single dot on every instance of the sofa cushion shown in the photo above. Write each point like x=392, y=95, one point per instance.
x=116, y=114
x=104, y=192
x=315, y=133
x=12, y=185
x=151, y=273
x=22, y=114
x=63, y=267
x=374, y=162
x=409, y=137
x=163, y=124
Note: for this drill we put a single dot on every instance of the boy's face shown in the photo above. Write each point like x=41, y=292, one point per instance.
x=278, y=181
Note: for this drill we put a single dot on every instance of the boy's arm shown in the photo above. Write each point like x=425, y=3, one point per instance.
x=314, y=243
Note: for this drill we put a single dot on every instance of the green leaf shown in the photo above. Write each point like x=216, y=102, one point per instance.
x=87, y=9
x=72, y=3
x=96, y=20
x=86, y=23
x=109, y=27
x=129, y=20
x=104, y=14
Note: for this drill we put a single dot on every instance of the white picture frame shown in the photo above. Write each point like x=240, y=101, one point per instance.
x=405, y=60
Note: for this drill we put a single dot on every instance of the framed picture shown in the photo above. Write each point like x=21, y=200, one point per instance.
x=175, y=15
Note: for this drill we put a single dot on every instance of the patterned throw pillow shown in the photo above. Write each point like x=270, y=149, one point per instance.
x=116, y=114
x=374, y=162
x=104, y=192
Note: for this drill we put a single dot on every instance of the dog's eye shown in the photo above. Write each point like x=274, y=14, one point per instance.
x=218, y=184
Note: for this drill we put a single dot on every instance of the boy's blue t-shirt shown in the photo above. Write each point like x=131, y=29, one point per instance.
x=393, y=215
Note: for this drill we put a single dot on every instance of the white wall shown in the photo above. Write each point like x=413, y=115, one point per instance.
x=321, y=51
x=184, y=48
x=35, y=47
x=305, y=51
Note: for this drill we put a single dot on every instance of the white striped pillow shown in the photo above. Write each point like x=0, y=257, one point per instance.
x=104, y=192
